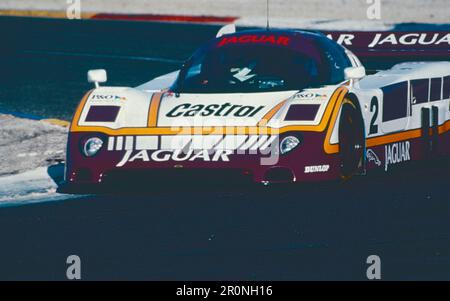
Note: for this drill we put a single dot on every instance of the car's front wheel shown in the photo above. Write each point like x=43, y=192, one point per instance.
x=351, y=139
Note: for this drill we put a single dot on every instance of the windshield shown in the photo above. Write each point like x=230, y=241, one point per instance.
x=249, y=68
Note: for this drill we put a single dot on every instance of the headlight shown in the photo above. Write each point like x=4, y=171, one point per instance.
x=92, y=146
x=288, y=144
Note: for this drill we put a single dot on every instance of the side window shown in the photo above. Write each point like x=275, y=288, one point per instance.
x=419, y=91
x=446, y=88
x=395, y=101
x=435, y=89
x=337, y=60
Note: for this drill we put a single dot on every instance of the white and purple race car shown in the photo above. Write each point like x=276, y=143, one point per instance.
x=263, y=106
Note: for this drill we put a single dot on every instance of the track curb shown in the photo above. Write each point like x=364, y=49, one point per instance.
x=201, y=19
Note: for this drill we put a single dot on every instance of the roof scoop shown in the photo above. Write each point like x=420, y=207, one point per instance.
x=227, y=29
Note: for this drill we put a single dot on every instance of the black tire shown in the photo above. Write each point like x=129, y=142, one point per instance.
x=351, y=139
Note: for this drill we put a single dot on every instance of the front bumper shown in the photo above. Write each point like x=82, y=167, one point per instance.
x=124, y=160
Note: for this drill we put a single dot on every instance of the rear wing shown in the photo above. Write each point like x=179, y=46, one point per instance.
x=381, y=49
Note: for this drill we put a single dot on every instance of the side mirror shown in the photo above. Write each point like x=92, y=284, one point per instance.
x=97, y=76
x=355, y=72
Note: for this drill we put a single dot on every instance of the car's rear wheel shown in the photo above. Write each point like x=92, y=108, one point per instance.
x=351, y=139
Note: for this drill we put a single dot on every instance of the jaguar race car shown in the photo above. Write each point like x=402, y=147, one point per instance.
x=263, y=106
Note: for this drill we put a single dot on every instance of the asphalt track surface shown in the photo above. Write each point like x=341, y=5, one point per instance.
x=309, y=232
x=320, y=231
x=44, y=62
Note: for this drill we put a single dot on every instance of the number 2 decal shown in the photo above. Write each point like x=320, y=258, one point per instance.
x=374, y=108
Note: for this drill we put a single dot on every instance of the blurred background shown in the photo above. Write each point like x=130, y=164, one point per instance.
x=426, y=11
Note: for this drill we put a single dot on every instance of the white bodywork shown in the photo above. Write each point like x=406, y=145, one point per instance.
x=407, y=72
x=134, y=102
